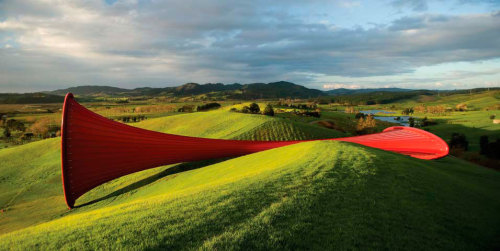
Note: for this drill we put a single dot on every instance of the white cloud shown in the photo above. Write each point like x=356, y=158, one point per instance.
x=337, y=86
x=349, y=4
x=130, y=43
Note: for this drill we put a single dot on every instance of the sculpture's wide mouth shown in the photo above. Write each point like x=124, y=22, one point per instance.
x=68, y=100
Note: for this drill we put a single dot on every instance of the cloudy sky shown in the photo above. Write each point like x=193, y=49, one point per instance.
x=440, y=44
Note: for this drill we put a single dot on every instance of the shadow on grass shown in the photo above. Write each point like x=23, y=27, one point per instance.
x=170, y=171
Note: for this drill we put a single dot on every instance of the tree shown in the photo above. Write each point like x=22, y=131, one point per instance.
x=269, y=111
x=359, y=115
x=407, y=111
x=483, y=144
x=438, y=109
x=15, y=125
x=350, y=109
x=366, y=125
x=411, y=122
x=254, y=108
x=420, y=109
x=187, y=108
x=41, y=127
x=208, y=106
x=245, y=109
x=494, y=149
x=28, y=136
x=459, y=140
x=6, y=133
x=461, y=107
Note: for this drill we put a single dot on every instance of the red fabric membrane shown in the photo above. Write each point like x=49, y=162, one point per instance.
x=96, y=150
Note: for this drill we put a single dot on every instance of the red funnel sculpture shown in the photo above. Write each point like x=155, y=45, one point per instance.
x=96, y=150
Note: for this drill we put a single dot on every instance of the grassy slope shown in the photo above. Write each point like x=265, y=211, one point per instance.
x=226, y=125
x=473, y=123
x=30, y=180
x=473, y=101
x=30, y=187
x=316, y=195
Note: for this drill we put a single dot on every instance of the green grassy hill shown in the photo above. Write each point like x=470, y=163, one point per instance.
x=30, y=174
x=477, y=101
x=309, y=195
x=232, y=125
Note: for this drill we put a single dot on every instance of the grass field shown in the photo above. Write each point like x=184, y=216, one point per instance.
x=473, y=124
x=311, y=195
x=315, y=195
x=42, y=160
x=474, y=101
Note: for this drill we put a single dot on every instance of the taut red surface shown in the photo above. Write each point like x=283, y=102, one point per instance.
x=95, y=150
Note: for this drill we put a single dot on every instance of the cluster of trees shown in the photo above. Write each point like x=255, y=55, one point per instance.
x=437, y=109
x=360, y=115
x=420, y=109
x=129, y=119
x=308, y=113
x=10, y=125
x=350, y=109
x=155, y=108
x=200, y=108
x=254, y=108
x=459, y=141
x=269, y=111
x=305, y=108
x=14, y=125
x=489, y=149
x=29, y=98
x=373, y=98
x=308, y=106
x=412, y=122
x=427, y=122
x=187, y=108
x=366, y=124
x=44, y=127
x=408, y=111
x=461, y=107
x=209, y=106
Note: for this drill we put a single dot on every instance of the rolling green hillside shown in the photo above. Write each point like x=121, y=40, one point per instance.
x=232, y=125
x=36, y=166
x=478, y=101
x=309, y=195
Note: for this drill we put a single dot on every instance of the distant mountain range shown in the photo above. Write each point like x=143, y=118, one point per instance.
x=281, y=89
x=30, y=98
x=344, y=91
x=274, y=90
